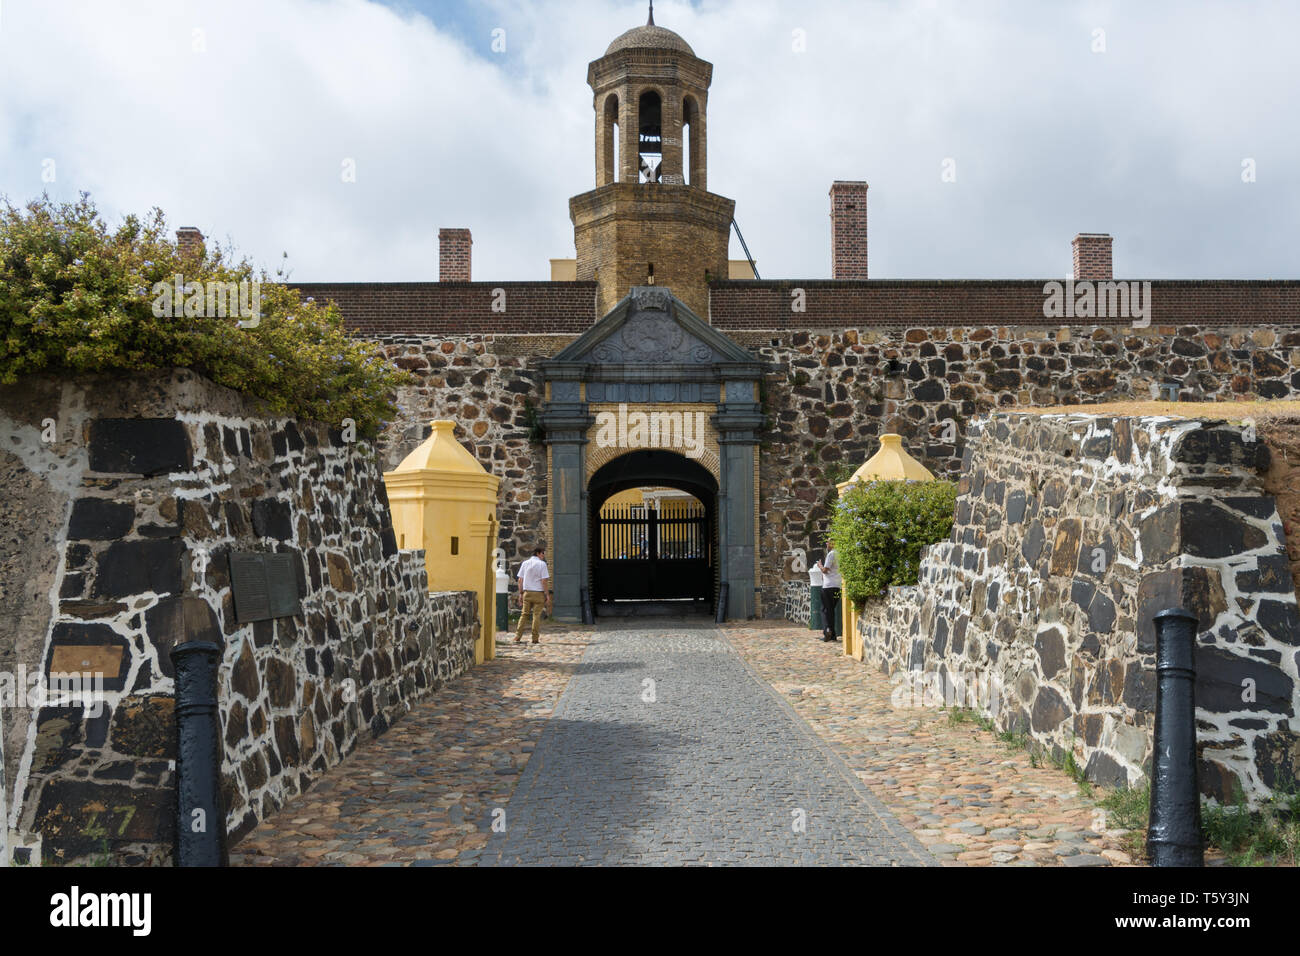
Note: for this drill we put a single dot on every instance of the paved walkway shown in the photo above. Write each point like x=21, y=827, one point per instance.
x=750, y=744
x=667, y=749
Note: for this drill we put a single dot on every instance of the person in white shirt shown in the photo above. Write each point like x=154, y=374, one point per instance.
x=829, y=566
x=534, y=593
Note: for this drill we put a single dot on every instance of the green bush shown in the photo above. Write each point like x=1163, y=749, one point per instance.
x=880, y=527
x=77, y=297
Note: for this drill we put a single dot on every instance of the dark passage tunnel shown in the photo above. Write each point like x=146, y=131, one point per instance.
x=648, y=555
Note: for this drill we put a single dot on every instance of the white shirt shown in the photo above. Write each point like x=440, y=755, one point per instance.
x=533, y=574
x=831, y=570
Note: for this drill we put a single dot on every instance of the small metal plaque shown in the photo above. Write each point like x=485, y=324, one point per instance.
x=281, y=585
x=265, y=586
x=248, y=581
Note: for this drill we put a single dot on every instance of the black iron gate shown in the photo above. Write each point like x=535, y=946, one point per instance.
x=647, y=553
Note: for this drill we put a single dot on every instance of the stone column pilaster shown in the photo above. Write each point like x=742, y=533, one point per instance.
x=566, y=421
x=738, y=422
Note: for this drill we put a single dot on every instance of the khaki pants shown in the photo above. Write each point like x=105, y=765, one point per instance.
x=534, y=602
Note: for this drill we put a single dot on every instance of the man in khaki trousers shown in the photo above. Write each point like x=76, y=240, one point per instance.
x=534, y=593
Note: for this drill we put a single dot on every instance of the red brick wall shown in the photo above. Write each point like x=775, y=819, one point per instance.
x=908, y=303
x=848, y=230
x=435, y=308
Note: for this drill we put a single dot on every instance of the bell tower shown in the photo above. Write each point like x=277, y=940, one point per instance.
x=651, y=220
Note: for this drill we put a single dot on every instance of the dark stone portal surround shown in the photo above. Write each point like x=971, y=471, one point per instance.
x=652, y=348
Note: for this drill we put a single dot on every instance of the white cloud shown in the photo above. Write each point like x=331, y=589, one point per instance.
x=247, y=138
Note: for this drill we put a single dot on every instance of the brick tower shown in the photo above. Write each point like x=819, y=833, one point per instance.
x=650, y=220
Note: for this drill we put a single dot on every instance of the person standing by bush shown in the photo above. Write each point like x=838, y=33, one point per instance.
x=829, y=566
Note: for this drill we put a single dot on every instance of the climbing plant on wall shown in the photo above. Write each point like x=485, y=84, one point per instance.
x=533, y=422
x=880, y=527
x=79, y=297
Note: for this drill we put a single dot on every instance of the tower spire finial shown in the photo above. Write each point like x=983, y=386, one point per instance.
x=651, y=21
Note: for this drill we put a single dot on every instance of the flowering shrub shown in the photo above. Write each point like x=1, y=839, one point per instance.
x=77, y=297
x=880, y=527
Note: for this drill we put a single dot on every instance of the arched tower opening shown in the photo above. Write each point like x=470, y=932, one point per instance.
x=607, y=123
x=693, y=142
x=650, y=137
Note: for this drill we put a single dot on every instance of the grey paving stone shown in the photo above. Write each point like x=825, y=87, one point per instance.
x=666, y=749
x=946, y=848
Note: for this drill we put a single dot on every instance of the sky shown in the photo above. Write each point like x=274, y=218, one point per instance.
x=346, y=132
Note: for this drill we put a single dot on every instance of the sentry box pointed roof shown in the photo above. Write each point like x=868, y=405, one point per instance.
x=441, y=452
x=890, y=463
x=441, y=490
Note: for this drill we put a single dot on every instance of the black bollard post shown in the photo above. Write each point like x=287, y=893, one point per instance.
x=1174, y=829
x=815, y=601
x=721, y=614
x=200, y=819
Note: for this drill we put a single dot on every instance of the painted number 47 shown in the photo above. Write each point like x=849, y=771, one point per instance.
x=94, y=828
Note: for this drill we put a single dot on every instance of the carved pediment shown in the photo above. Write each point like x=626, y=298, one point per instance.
x=652, y=337
x=652, y=327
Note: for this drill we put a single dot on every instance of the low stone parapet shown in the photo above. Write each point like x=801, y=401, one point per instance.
x=1071, y=532
x=131, y=504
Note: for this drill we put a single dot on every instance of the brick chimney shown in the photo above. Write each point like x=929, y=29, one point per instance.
x=454, y=255
x=1092, y=256
x=848, y=230
x=189, y=241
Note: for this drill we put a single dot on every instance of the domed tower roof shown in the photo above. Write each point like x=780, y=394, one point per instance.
x=650, y=37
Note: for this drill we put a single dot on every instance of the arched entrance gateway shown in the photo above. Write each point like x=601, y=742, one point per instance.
x=652, y=549
x=653, y=397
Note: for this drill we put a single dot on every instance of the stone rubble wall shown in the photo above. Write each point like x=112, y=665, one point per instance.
x=487, y=384
x=1282, y=480
x=838, y=391
x=120, y=543
x=797, y=603
x=831, y=394
x=1071, y=532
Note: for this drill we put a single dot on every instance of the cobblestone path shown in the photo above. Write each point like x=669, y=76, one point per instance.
x=565, y=745
x=423, y=793
x=667, y=749
x=970, y=798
